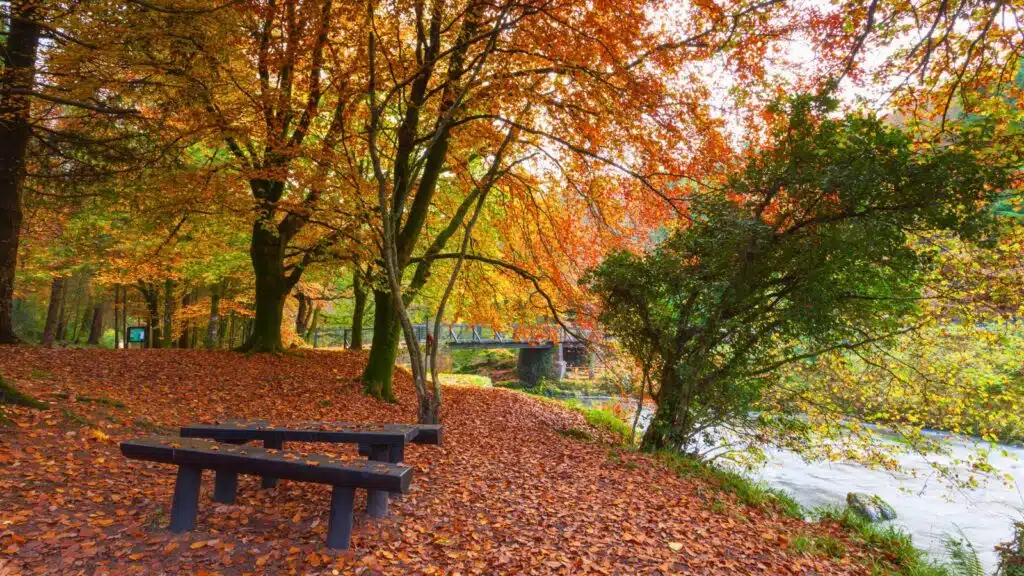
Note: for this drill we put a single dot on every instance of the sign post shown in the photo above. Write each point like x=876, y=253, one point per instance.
x=136, y=335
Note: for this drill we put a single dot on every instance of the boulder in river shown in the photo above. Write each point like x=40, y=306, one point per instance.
x=870, y=507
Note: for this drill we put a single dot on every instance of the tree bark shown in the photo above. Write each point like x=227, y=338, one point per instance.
x=19, y=60
x=214, y=323
x=302, y=316
x=96, y=326
x=358, y=311
x=183, y=341
x=53, y=311
x=151, y=294
x=167, y=334
x=62, y=324
x=313, y=324
x=377, y=376
x=272, y=288
x=117, y=316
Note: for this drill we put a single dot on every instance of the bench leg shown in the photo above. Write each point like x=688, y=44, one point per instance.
x=270, y=481
x=377, y=500
x=225, y=486
x=185, y=506
x=397, y=456
x=339, y=525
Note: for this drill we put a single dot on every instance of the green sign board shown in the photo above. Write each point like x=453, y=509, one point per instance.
x=136, y=334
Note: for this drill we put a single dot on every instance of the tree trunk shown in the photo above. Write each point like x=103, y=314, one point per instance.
x=124, y=315
x=117, y=316
x=186, y=300
x=81, y=288
x=377, y=376
x=193, y=325
x=214, y=323
x=151, y=294
x=302, y=316
x=62, y=324
x=272, y=288
x=313, y=324
x=358, y=311
x=96, y=326
x=167, y=334
x=53, y=311
x=666, y=430
x=19, y=60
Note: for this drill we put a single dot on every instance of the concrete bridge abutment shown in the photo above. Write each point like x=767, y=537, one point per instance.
x=536, y=364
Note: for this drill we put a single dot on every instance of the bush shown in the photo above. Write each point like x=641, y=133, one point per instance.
x=1011, y=553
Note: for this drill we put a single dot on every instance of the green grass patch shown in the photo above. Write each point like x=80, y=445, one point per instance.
x=465, y=380
x=746, y=490
x=601, y=419
x=101, y=400
x=75, y=418
x=483, y=361
x=889, y=542
x=14, y=397
x=37, y=374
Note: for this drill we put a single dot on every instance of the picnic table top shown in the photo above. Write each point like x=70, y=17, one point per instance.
x=279, y=463
x=340, y=432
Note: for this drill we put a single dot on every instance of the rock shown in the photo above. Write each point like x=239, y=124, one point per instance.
x=870, y=507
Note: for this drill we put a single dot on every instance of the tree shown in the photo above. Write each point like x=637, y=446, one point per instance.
x=512, y=101
x=807, y=252
x=16, y=83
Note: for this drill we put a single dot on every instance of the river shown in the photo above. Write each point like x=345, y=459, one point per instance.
x=927, y=509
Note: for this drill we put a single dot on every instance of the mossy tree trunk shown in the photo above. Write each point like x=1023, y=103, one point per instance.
x=377, y=376
x=53, y=311
x=358, y=311
x=16, y=81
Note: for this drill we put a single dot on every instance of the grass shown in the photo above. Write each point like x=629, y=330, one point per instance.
x=11, y=396
x=746, y=490
x=465, y=380
x=890, y=543
x=482, y=361
x=566, y=388
x=893, y=548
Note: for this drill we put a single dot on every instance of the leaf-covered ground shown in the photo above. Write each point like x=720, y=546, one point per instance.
x=505, y=494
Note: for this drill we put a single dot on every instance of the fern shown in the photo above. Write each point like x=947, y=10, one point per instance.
x=963, y=557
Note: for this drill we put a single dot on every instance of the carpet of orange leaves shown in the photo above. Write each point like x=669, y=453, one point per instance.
x=505, y=494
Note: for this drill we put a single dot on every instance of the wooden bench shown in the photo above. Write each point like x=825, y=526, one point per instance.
x=379, y=442
x=193, y=455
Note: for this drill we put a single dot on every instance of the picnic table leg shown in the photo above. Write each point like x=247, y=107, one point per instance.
x=377, y=500
x=397, y=456
x=225, y=486
x=339, y=525
x=270, y=481
x=185, y=505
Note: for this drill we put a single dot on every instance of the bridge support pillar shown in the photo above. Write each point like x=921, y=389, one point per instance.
x=537, y=363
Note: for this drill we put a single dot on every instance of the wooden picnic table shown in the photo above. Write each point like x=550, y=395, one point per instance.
x=380, y=442
x=193, y=455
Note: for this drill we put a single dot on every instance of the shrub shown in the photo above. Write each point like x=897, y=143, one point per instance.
x=1011, y=553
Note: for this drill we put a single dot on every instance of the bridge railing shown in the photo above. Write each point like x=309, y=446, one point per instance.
x=460, y=335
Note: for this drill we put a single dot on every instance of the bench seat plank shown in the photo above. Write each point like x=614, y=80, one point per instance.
x=210, y=455
x=329, y=432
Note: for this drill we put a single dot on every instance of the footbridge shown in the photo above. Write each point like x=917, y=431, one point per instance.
x=544, y=351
